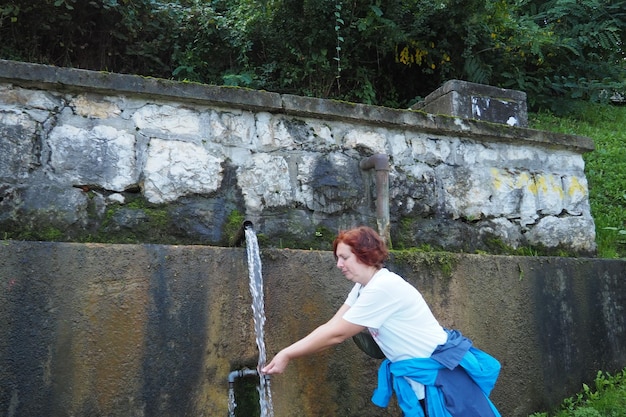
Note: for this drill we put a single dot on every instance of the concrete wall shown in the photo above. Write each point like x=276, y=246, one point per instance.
x=90, y=156
x=154, y=330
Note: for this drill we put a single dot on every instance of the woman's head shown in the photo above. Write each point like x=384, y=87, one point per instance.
x=366, y=244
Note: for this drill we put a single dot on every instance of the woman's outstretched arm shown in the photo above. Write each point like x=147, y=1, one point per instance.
x=331, y=333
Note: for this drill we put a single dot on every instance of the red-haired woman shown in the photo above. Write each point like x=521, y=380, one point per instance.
x=433, y=371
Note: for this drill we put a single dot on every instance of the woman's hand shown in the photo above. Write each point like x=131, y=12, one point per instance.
x=277, y=365
x=335, y=331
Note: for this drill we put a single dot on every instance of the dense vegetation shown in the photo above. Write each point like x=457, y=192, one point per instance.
x=606, y=398
x=384, y=52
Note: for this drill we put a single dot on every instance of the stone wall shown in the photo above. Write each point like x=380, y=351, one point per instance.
x=154, y=330
x=90, y=156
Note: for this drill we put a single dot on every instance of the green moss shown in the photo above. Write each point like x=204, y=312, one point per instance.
x=51, y=234
x=232, y=227
x=403, y=237
x=319, y=239
x=324, y=238
x=46, y=234
x=153, y=229
x=263, y=240
x=497, y=247
x=247, y=397
x=445, y=262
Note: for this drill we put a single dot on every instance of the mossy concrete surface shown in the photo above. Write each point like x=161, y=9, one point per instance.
x=154, y=330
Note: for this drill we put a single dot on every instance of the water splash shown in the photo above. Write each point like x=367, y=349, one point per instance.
x=258, y=309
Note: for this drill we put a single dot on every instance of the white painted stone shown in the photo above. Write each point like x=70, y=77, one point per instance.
x=167, y=119
x=116, y=198
x=462, y=124
x=485, y=154
x=420, y=171
x=431, y=150
x=564, y=162
x=576, y=198
x=16, y=153
x=97, y=109
x=398, y=146
x=264, y=182
x=11, y=119
x=174, y=169
x=549, y=194
x=102, y=156
x=503, y=229
x=366, y=138
x=29, y=99
x=217, y=129
x=577, y=232
x=514, y=196
x=237, y=156
x=324, y=132
x=304, y=190
x=465, y=195
x=506, y=194
x=234, y=128
x=273, y=133
x=528, y=213
x=522, y=158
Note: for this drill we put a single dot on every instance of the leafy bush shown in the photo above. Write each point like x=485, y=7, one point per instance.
x=607, y=400
x=131, y=37
x=390, y=53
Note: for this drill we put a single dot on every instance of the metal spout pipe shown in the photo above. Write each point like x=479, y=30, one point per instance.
x=240, y=237
x=380, y=162
x=239, y=373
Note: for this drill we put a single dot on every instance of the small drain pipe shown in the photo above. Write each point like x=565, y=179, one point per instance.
x=380, y=162
x=240, y=373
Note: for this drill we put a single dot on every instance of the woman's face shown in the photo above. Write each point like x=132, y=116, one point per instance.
x=351, y=267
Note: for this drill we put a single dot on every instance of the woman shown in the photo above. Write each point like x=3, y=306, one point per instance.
x=424, y=362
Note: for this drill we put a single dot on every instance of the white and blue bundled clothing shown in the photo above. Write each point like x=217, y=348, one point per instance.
x=457, y=379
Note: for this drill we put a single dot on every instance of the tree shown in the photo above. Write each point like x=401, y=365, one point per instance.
x=386, y=52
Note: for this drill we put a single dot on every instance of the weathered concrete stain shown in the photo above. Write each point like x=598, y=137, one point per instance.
x=154, y=330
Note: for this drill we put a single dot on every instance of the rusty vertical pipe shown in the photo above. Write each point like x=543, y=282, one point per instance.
x=380, y=163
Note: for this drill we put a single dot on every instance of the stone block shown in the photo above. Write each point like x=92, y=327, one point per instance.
x=477, y=101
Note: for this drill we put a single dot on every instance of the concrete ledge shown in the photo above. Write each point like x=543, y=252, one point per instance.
x=71, y=79
x=37, y=75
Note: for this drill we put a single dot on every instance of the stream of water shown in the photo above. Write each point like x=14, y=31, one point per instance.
x=258, y=309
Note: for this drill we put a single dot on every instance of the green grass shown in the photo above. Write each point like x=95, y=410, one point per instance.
x=606, y=399
x=605, y=167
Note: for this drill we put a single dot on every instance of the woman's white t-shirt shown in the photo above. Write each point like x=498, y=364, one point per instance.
x=397, y=317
